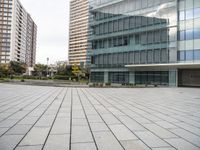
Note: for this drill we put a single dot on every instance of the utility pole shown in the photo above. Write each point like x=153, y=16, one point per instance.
x=47, y=66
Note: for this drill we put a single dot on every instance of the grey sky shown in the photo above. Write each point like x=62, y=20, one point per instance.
x=52, y=19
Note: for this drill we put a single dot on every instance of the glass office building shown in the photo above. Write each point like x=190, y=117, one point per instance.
x=151, y=42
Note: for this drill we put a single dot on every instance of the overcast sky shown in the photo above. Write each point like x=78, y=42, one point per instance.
x=52, y=19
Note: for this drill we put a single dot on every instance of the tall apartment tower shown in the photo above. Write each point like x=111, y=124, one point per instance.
x=17, y=33
x=149, y=42
x=78, y=32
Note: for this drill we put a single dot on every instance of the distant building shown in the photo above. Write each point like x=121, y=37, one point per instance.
x=150, y=42
x=18, y=33
x=78, y=32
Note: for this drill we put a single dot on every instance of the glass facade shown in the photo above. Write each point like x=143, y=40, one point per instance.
x=189, y=30
x=141, y=32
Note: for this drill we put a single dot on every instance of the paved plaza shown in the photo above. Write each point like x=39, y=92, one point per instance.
x=61, y=118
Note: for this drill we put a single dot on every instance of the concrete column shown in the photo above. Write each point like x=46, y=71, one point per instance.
x=132, y=77
x=105, y=77
x=173, y=77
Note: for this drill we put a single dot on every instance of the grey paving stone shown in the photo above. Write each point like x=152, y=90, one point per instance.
x=8, y=123
x=36, y=136
x=188, y=136
x=59, y=142
x=3, y=130
x=96, y=127
x=151, y=140
x=142, y=144
x=61, y=126
x=28, y=120
x=142, y=120
x=188, y=127
x=166, y=124
x=36, y=147
x=122, y=132
x=107, y=141
x=81, y=134
x=94, y=119
x=110, y=119
x=131, y=124
x=45, y=121
x=159, y=131
x=8, y=142
x=131, y=144
x=84, y=146
x=79, y=122
x=19, y=130
x=181, y=144
x=164, y=148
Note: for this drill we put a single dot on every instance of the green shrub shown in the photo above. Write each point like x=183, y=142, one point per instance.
x=61, y=77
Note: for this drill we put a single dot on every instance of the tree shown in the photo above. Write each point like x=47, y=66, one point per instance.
x=40, y=69
x=17, y=67
x=4, y=70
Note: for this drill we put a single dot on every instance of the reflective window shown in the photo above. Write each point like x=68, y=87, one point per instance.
x=196, y=12
x=132, y=22
x=137, y=39
x=189, y=14
x=189, y=55
x=196, y=54
x=157, y=56
x=182, y=15
x=181, y=35
x=126, y=23
x=181, y=56
x=115, y=25
x=197, y=33
x=189, y=34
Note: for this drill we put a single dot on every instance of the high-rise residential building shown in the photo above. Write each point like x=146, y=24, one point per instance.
x=17, y=33
x=78, y=32
x=150, y=42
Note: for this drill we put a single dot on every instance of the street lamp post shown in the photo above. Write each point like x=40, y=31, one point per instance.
x=47, y=66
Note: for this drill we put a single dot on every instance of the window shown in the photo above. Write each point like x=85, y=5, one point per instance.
x=126, y=23
x=125, y=41
x=137, y=58
x=150, y=56
x=138, y=21
x=164, y=56
x=150, y=20
x=110, y=44
x=143, y=57
x=189, y=55
x=196, y=12
x=164, y=35
x=196, y=54
x=181, y=55
x=157, y=36
x=197, y=33
x=120, y=24
x=137, y=39
x=110, y=27
x=115, y=26
x=157, y=56
x=144, y=38
x=101, y=29
x=189, y=14
x=150, y=37
x=189, y=34
x=182, y=15
x=181, y=35
x=131, y=57
x=144, y=21
x=132, y=22
x=106, y=27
